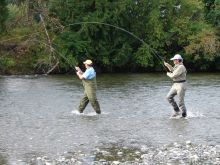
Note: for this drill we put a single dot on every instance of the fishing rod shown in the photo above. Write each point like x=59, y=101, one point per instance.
x=54, y=50
x=1, y=41
x=155, y=53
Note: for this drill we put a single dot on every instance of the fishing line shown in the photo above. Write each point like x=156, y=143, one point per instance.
x=126, y=31
x=72, y=66
x=154, y=52
x=1, y=41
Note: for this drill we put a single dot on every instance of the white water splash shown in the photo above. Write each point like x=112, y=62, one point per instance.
x=190, y=114
x=197, y=114
x=75, y=112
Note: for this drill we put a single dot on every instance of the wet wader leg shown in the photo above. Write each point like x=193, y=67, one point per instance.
x=181, y=95
x=170, y=98
x=90, y=90
x=95, y=105
x=94, y=102
x=83, y=103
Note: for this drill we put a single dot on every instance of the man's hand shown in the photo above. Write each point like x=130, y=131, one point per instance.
x=166, y=64
x=169, y=74
x=78, y=70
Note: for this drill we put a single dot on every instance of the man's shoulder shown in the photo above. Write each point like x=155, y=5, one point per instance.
x=91, y=68
x=182, y=67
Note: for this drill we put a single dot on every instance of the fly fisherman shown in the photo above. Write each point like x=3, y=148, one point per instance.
x=178, y=75
x=89, y=83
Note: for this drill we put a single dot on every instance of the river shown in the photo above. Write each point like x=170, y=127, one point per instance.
x=39, y=123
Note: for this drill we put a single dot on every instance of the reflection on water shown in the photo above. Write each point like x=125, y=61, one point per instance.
x=39, y=123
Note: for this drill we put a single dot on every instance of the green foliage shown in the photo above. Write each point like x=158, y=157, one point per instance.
x=144, y=56
x=17, y=15
x=167, y=26
x=212, y=12
x=3, y=15
x=6, y=63
x=133, y=31
x=27, y=49
x=69, y=49
x=203, y=49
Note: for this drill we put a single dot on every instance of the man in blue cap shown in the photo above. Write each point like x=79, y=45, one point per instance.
x=178, y=75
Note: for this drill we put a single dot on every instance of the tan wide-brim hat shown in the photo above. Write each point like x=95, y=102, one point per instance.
x=88, y=62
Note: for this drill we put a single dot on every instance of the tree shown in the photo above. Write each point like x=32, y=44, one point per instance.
x=3, y=15
x=118, y=35
x=212, y=13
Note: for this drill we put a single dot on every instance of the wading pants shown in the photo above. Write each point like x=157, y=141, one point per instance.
x=179, y=90
x=89, y=96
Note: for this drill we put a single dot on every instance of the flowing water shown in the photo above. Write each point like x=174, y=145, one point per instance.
x=39, y=123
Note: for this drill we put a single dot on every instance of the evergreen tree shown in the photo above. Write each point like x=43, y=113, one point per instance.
x=128, y=35
x=3, y=15
x=166, y=27
x=212, y=12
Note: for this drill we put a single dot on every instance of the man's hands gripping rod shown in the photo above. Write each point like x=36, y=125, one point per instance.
x=77, y=69
x=168, y=66
x=79, y=72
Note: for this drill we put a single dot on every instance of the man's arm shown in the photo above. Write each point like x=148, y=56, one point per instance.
x=176, y=73
x=79, y=73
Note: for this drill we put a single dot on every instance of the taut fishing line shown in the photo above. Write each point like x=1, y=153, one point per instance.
x=122, y=29
x=100, y=23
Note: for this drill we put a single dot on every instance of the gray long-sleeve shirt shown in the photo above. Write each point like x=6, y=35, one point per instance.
x=178, y=72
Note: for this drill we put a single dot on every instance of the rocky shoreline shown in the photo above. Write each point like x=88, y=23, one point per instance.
x=172, y=154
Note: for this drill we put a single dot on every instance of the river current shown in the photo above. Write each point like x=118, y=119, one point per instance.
x=39, y=123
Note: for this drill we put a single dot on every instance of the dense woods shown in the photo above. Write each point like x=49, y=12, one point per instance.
x=52, y=36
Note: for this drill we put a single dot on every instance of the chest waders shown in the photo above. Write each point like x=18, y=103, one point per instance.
x=178, y=88
x=90, y=87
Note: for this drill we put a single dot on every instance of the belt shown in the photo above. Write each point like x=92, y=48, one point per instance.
x=181, y=81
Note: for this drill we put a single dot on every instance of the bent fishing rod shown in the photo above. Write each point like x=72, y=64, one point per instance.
x=58, y=53
x=154, y=52
x=126, y=31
